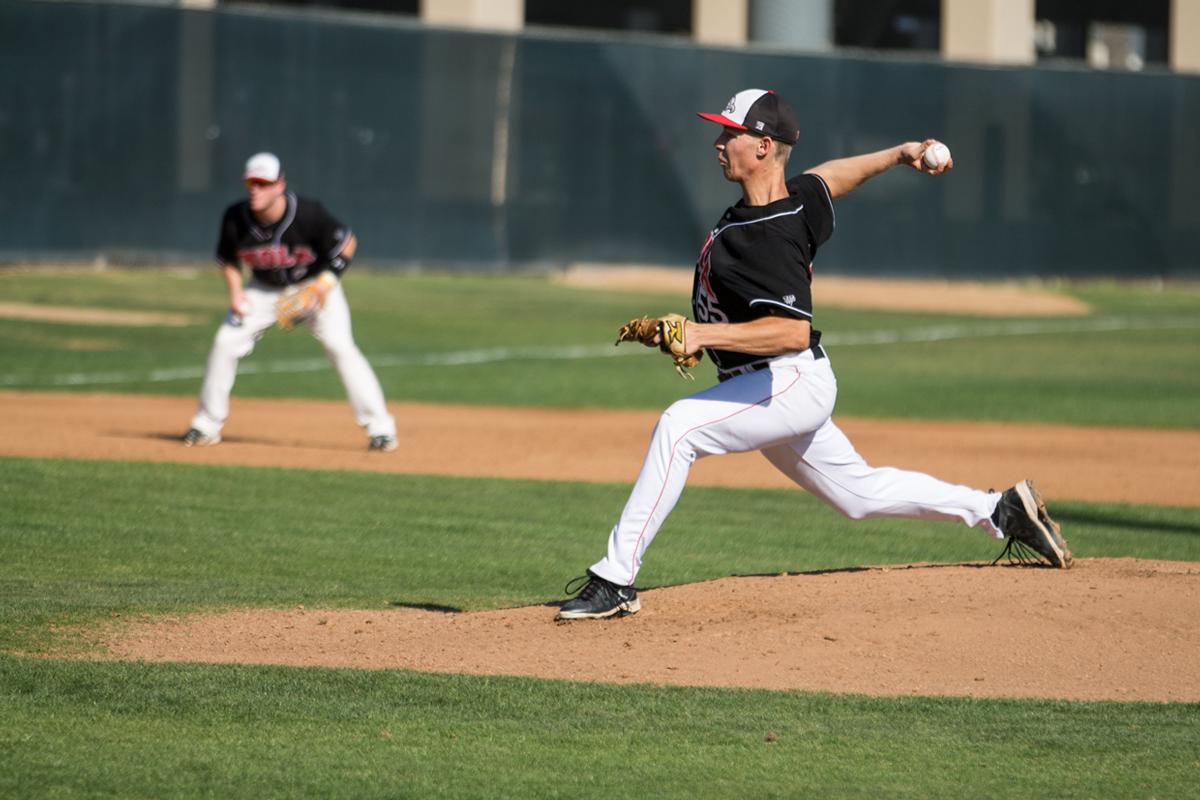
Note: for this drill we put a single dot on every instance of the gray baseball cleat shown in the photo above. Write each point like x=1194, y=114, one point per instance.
x=194, y=438
x=1021, y=516
x=382, y=444
x=598, y=599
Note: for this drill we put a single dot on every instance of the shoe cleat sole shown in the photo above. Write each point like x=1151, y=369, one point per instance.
x=1035, y=508
x=621, y=610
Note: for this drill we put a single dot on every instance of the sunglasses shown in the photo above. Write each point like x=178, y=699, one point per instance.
x=258, y=183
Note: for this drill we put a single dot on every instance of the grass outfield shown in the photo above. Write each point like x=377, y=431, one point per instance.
x=80, y=542
x=164, y=731
x=1135, y=362
x=84, y=541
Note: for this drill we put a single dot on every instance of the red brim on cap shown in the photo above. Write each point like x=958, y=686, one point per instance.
x=722, y=120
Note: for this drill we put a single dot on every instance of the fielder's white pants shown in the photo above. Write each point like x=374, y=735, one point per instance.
x=331, y=326
x=784, y=411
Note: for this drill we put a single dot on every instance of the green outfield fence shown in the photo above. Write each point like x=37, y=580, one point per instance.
x=123, y=129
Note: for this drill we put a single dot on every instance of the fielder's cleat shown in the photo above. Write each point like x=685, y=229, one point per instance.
x=599, y=599
x=194, y=438
x=1021, y=516
x=382, y=444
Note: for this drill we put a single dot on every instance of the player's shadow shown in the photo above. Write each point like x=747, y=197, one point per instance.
x=1072, y=518
x=261, y=440
x=426, y=607
x=882, y=568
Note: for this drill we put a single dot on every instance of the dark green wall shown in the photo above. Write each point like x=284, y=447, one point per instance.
x=123, y=130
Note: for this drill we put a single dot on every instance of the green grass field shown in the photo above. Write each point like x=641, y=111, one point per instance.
x=1136, y=361
x=81, y=542
x=134, y=730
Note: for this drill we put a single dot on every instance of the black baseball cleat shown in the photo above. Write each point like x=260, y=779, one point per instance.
x=194, y=438
x=598, y=599
x=1021, y=516
x=382, y=444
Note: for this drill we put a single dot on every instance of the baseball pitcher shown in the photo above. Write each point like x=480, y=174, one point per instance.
x=752, y=304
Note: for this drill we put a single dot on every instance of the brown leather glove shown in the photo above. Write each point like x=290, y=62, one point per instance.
x=301, y=306
x=667, y=334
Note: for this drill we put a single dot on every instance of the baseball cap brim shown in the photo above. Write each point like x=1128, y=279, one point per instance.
x=721, y=119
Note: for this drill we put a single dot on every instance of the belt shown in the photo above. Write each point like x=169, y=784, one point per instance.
x=818, y=352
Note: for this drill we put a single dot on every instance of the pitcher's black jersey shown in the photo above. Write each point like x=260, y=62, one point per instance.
x=758, y=262
x=307, y=240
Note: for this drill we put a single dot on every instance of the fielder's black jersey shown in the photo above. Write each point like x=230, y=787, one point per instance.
x=306, y=241
x=758, y=262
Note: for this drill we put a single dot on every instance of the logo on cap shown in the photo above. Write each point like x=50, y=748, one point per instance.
x=263, y=167
x=760, y=111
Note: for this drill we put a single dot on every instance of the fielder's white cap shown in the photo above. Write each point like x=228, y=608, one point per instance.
x=263, y=167
x=759, y=111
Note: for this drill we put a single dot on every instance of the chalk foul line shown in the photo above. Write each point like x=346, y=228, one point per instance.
x=493, y=355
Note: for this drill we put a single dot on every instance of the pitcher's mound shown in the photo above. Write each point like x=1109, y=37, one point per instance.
x=1123, y=629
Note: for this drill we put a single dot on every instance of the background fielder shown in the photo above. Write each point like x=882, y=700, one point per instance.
x=753, y=307
x=293, y=247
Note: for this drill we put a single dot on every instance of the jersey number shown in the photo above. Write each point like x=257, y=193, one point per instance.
x=704, y=304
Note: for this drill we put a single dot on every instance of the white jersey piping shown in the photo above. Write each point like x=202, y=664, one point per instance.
x=288, y=218
x=721, y=230
x=829, y=198
x=793, y=309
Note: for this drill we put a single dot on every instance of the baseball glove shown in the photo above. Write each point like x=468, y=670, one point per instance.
x=300, y=307
x=667, y=334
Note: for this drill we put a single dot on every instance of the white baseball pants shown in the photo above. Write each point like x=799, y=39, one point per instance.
x=784, y=411
x=331, y=326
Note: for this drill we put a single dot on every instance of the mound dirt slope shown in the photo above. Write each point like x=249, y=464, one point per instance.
x=1121, y=629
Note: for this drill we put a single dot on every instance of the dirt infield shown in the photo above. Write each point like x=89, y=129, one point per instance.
x=996, y=299
x=74, y=315
x=1107, y=629
x=1156, y=466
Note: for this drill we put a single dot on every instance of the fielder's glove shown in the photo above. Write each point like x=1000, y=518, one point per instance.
x=667, y=334
x=300, y=307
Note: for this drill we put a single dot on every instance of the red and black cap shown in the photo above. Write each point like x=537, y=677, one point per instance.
x=759, y=111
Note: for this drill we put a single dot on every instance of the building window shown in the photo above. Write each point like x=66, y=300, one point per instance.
x=892, y=25
x=405, y=7
x=650, y=16
x=1108, y=34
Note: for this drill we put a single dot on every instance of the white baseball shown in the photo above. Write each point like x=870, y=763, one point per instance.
x=936, y=155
